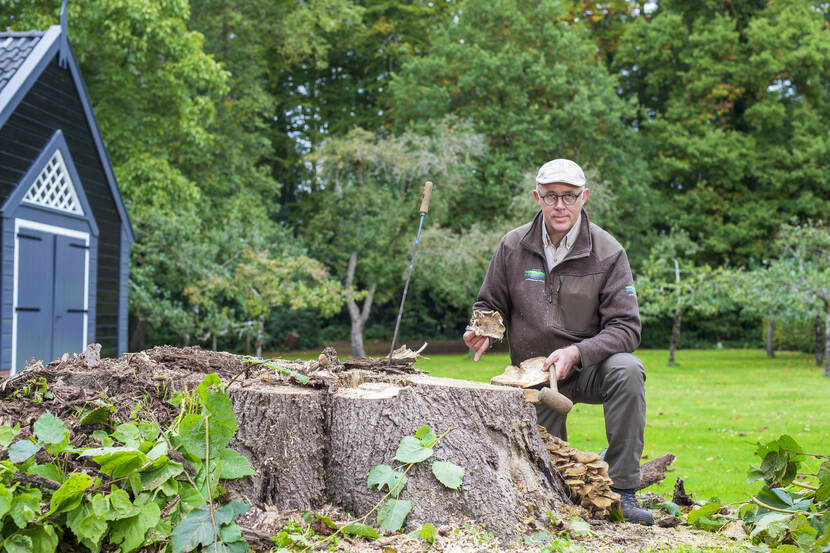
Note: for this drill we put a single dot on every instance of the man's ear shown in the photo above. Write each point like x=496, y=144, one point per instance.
x=585, y=195
x=537, y=198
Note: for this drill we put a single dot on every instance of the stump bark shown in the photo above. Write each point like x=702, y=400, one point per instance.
x=313, y=448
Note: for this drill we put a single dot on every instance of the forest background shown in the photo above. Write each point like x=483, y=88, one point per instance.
x=272, y=155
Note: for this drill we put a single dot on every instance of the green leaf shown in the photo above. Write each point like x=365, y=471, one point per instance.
x=228, y=512
x=35, y=539
x=25, y=507
x=49, y=429
x=393, y=513
x=326, y=520
x=131, y=532
x=192, y=436
x=7, y=434
x=117, y=461
x=49, y=471
x=230, y=533
x=449, y=474
x=771, y=522
x=155, y=477
x=194, y=529
x=384, y=475
x=5, y=500
x=235, y=465
x=704, y=511
x=122, y=507
x=580, y=527
x=411, y=450
x=359, y=529
x=428, y=532
x=670, y=507
x=86, y=525
x=69, y=495
x=95, y=415
x=128, y=434
x=823, y=492
x=22, y=451
x=426, y=436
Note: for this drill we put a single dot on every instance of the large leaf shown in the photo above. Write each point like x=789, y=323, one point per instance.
x=49, y=429
x=131, y=532
x=703, y=512
x=69, y=495
x=384, y=475
x=192, y=435
x=5, y=501
x=194, y=529
x=35, y=539
x=86, y=525
x=154, y=478
x=393, y=513
x=22, y=451
x=771, y=522
x=122, y=507
x=117, y=461
x=411, y=450
x=128, y=434
x=823, y=492
x=49, y=471
x=235, y=465
x=25, y=507
x=449, y=474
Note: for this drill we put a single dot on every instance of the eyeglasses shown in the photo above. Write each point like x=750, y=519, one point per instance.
x=551, y=198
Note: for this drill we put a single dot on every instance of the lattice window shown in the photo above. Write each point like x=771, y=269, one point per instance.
x=54, y=189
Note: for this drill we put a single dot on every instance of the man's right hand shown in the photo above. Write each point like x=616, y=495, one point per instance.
x=478, y=344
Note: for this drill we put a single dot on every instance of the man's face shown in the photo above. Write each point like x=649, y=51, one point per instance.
x=559, y=218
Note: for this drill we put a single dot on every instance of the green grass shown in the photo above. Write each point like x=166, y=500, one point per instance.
x=709, y=410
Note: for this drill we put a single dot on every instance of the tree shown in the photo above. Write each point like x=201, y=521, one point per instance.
x=734, y=123
x=367, y=198
x=532, y=85
x=671, y=284
x=803, y=268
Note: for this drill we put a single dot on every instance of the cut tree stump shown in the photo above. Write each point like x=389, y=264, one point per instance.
x=312, y=448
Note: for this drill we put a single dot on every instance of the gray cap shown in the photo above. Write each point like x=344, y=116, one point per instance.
x=561, y=170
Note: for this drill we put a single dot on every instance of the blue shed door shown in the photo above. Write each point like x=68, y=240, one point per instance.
x=36, y=254
x=51, y=307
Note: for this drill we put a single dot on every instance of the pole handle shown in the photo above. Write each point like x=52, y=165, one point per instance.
x=425, y=198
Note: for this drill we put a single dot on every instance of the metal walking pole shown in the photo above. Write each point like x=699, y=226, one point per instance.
x=423, y=210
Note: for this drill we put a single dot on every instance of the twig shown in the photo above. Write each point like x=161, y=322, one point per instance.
x=207, y=481
x=803, y=485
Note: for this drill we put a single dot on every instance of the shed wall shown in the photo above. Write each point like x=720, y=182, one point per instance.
x=54, y=103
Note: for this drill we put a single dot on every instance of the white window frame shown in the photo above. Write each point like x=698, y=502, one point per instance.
x=34, y=225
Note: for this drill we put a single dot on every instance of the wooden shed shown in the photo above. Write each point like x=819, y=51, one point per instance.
x=64, y=257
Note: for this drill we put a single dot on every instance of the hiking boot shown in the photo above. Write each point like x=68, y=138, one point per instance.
x=631, y=510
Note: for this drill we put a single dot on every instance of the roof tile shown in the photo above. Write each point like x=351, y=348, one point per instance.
x=14, y=49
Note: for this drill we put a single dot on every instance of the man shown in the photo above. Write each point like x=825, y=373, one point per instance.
x=564, y=289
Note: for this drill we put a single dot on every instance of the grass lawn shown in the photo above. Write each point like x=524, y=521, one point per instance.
x=709, y=410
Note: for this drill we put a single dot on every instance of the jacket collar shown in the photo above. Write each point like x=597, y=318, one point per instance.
x=581, y=248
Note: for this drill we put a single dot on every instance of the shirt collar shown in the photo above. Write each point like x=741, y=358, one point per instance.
x=569, y=239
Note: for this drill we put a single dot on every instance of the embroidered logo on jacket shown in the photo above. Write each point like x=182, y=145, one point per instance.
x=534, y=275
x=631, y=291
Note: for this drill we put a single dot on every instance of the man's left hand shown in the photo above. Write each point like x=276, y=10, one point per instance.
x=561, y=361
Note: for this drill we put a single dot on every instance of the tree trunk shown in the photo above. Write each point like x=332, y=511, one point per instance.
x=213, y=342
x=770, y=333
x=138, y=333
x=260, y=332
x=312, y=448
x=357, y=315
x=819, y=341
x=675, y=336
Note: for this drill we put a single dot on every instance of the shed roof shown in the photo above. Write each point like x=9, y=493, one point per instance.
x=14, y=49
x=23, y=57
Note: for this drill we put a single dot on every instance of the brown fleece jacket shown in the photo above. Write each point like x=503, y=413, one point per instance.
x=587, y=300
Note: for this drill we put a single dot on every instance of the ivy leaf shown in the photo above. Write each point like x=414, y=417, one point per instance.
x=448, y=474
x=235, y=465
x=49, y=429
x=393, y=513
x=22, y=451
x=411, y=450
x=69, y=495
x=359, y=529
x=384, y=475
x=193, y=530
x=426, y=436
x=7, y=434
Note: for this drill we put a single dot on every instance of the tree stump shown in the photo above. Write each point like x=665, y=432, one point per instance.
x=313, y=448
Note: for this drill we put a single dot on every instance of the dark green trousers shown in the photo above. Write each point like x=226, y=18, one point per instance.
x=618, y=383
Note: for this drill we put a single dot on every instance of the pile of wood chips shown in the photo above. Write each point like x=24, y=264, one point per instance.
x=585, y=476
